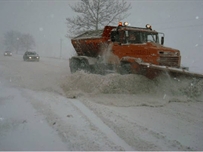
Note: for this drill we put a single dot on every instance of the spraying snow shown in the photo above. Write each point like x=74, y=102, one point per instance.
x=147, y=92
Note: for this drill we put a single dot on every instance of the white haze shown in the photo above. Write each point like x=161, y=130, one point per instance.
x=45, y=107
x=180, y=20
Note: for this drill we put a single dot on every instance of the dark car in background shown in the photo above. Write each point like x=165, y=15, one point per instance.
x=7, y=53
x=31, y=56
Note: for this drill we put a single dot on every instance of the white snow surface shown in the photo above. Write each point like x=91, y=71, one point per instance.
x=45, y=107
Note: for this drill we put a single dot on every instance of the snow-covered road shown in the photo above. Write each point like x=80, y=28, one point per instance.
x=35, y=113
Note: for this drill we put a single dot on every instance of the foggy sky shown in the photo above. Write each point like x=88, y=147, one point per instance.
x=180, y=20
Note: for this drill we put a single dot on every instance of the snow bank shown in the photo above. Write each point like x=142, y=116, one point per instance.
x=143, y=91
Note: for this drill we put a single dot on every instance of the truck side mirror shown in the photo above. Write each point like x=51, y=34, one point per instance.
x=162, y=40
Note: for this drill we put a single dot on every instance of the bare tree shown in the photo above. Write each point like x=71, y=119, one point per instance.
x=95, y=14
x=27, y=42
x=11, y=41
x=16, y=41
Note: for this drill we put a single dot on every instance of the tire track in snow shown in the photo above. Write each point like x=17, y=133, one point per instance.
x=102, y=126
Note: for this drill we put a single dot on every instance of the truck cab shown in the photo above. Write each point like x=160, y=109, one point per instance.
x=131, y=43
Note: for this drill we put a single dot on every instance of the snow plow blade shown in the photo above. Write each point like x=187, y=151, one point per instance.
x=170, y=70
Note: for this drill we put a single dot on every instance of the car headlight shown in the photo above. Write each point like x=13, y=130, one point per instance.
x=5, y=53
x=37, y=57
x=30, y=57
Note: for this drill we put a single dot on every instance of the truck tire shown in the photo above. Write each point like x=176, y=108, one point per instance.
x=74, y=65
x=84, y=65
x=125, y=68
x=77, y=65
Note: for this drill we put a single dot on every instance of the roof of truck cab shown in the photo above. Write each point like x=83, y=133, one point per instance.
x=137, y=29
x=98, y=33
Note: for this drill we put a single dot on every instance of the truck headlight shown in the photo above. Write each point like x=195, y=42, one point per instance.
x=148, y=26
x=125, y=24
x=30, y=57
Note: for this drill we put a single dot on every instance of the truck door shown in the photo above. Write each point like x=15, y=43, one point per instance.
x=127, y=47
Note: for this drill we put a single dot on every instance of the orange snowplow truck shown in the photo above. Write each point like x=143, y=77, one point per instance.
x=126, y=49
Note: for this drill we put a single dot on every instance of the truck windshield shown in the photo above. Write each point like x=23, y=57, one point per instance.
x=149, y=37
x=132, y=36
x=142, y=37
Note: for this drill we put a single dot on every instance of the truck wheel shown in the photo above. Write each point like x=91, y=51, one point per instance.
x=125, y=68
x=74, y=65
x=84, y=65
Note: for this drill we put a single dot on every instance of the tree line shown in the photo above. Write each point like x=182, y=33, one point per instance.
x=18, y=42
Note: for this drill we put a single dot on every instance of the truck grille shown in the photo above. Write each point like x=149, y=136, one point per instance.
x=169, y=61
